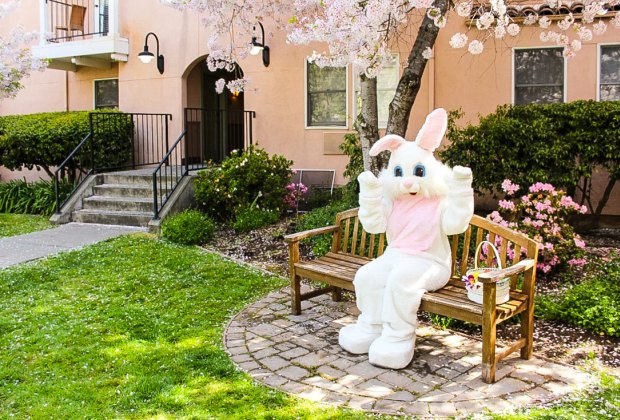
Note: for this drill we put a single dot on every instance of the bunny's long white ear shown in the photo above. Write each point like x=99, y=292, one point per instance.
x=390, y=142
x=431, y=133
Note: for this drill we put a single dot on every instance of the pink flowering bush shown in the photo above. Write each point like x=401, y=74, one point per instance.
x=295, y=192
x=542, y=215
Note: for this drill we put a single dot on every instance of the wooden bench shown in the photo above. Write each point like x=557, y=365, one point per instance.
x=353, y=247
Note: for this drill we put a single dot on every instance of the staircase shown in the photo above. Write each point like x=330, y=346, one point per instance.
x=122, y=198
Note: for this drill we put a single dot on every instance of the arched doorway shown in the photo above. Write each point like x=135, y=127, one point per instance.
x=216, y=122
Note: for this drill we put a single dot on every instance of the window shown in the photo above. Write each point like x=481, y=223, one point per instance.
x=106, y=93
x=387, y=81
x=326, y=93
x=538, y=76
x=609, y=85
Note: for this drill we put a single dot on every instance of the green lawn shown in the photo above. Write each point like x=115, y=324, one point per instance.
x=18, y=224
x=132, y=328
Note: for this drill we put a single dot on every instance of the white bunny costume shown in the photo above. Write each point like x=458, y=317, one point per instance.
x=417, y=202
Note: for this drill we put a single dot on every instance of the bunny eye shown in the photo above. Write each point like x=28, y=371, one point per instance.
x=398, y=171
x=419, y=170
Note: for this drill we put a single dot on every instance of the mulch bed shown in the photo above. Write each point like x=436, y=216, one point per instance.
x=266, y=249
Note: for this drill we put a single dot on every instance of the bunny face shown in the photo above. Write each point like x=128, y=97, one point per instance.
x=412, y=171
x=412, y=168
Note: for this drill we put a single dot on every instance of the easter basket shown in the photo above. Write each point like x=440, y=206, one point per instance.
x=474, y=287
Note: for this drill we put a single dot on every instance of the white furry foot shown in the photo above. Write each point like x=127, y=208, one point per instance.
x=391, y=354
x=356, y=340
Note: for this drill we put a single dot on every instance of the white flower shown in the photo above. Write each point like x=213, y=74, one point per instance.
x=500, y=31
x=599, y=28
x=544, y=37
x=544, y=22
x=616, y=20
x=463, y=9
x=530, y=19
x=427, y=54
x=484, y=21
x=568, y=53
x=219, y=85
x=440, y=21
x=475, y=47
x=458, y=40
x=575, y=45
x=584, y=34
x=513, y=29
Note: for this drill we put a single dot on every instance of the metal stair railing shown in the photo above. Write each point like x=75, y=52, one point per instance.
x=172, y=169
x=76, y=171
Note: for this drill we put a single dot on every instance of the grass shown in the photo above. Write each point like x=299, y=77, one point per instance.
x=18, y=224
x=131, y=328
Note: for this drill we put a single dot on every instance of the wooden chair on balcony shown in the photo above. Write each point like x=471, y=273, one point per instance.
x=74, y=21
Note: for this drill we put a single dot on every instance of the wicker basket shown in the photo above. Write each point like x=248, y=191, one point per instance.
x=474, y=293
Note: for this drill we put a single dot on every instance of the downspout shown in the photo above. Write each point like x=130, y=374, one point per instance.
x=66, y=91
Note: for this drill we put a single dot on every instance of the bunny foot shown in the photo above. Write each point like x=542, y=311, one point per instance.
x=357, y=339
x=387, y=353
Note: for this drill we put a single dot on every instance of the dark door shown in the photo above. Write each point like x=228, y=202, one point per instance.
x=223, y=129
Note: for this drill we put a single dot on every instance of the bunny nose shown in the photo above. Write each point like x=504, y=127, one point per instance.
x=407, y=183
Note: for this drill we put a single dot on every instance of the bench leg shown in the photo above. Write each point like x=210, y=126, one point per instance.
x=295, y=294
x=489, y=329
x=527, y=332
x=336, y=294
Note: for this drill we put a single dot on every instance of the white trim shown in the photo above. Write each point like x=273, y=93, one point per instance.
x=95, y=90
x=545, y=47
x=599, y=48
x=328, y=127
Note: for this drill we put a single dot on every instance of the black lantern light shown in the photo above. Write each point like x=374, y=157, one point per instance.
x=146, y=56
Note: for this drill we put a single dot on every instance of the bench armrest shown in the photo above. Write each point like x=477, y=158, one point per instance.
x=519, y=267
x=296, y=237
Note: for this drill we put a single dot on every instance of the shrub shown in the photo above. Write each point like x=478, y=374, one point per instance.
x=542, y=215
x=225, y=191
x=593, y=304
x=38, y=197
x=325, y=216
x=560, y=144
x=252, y=218
x=351, y=147
x=190, y=227
x=45, y=140
x=295, y=192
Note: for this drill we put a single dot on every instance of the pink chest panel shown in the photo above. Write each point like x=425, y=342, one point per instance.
x=413, y=224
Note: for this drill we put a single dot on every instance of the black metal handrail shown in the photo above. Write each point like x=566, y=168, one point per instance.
x=172, y=168
x=77, y=19
x=66, y=166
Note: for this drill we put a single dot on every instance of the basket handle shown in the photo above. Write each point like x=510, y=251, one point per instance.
x=495, y=251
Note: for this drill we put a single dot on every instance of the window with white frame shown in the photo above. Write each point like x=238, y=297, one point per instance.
x=326, y=96
x=538, y=76
x=609, y=79
x=387, y=81
x=106, y=93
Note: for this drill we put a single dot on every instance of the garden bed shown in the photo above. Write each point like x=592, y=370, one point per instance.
x=559, y=341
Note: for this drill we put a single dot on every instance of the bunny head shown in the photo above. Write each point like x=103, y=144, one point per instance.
x=412, y=168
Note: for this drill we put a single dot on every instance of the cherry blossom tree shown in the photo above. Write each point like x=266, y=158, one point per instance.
x=361, y=33
x=16, y=60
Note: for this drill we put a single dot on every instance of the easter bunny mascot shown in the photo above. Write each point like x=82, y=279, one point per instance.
x=417, y=202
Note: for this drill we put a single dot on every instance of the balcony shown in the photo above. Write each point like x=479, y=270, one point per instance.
x=80, y=33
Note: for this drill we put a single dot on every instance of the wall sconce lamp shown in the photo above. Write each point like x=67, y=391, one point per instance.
x=257, y=47
x=146, y=56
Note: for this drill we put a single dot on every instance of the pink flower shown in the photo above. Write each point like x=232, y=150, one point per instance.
x=580, y=243
x=507, y=205
x=509, y=188
x=577, y=262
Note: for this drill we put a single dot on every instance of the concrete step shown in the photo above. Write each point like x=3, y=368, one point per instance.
x=144, y=180
x=104, y=217
x=123, y=190
x=131, y=204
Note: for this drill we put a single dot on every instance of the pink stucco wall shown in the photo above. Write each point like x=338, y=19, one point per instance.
x=453, y=79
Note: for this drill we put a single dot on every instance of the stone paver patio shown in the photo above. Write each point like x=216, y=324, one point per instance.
x=300, y=355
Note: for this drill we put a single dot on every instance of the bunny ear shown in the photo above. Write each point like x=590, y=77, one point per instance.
x=431, y=133
x=390, y=142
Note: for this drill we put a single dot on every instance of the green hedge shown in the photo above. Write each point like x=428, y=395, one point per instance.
x=559, y=144
x=45, y=140
x=38, y=197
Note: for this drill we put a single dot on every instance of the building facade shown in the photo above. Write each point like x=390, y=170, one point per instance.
x=300, y=111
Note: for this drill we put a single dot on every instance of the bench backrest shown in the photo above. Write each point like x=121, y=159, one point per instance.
x=513, y=246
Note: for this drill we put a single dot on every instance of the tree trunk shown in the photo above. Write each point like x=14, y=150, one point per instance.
x=410, y=81
x=367, y=123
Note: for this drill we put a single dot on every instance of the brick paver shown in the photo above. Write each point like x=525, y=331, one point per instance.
x=300, y=355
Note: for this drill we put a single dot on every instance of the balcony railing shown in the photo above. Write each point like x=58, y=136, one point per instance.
x=71, y=20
